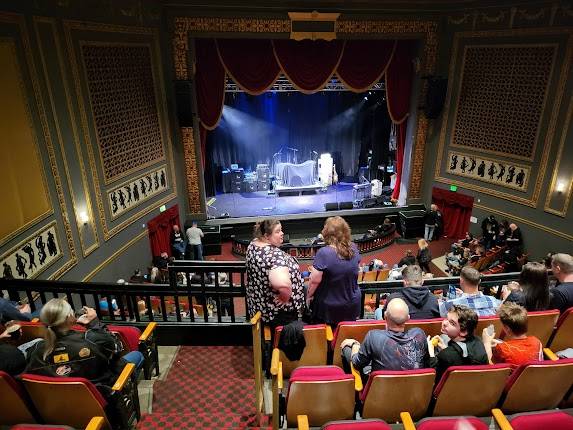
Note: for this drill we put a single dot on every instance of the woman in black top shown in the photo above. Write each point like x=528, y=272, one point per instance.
x=424, y=256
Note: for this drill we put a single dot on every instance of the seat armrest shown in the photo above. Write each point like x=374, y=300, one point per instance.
x=275, y=361
x=256, y=318
x=96, y=423
x=267, y=333
x=124, y=376
x=329, y=335
x=148, y=331
x=501, y=420
x=550, y=354
x=280, y=377
x=357, y=378
x=407, y=421
x=302, y=421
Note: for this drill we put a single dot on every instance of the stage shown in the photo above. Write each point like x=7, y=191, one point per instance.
x=261, y=203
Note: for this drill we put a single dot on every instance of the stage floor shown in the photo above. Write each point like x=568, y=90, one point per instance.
x=261, y=203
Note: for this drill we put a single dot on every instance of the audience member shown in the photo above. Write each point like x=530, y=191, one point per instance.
x=408, y=259
x=424, y=256
x=514, y=239
x=194, y=235
x=10, y=311
x=177, y=243
x=12, y=359
x=93, y=354
x=532, y=290
x=275, y=285
x=430, y=222
x=562, y=294
x=490, y=229
x=394, y=348
x=471, y=296
x=333, y=286
x=500, y=239
x=421, y=302
x=462, y=348
x=516, y=347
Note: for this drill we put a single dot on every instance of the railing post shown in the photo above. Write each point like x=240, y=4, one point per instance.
x=258, y=364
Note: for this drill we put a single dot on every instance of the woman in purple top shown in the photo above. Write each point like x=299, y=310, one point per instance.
x=333, y=285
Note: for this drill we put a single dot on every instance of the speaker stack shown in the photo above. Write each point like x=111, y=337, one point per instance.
x=263, y=175
x=237, y=176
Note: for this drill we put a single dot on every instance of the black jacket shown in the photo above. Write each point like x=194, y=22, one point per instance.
x=453, y=355
x=93, y=354
x=421, y=302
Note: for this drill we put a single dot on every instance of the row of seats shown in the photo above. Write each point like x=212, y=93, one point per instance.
x=555, y=420
x=326, y=393
x=69, y=401
x=131, y=338
x=553, y=331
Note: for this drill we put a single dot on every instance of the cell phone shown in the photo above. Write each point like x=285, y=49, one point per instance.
x=452, y=294
x=80, y=312
x=490, y=330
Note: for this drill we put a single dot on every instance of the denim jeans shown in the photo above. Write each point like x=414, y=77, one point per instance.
x=134, y=357
x=197, y=252
x=429, y=232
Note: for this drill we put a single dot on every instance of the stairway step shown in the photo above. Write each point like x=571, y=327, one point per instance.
x=201, y=420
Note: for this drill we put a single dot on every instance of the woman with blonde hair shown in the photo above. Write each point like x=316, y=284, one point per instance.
x=93, y=354
x=333, y=285
x=424, y=256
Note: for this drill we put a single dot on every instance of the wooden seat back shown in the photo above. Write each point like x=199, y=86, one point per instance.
x=538, y=385
x=541, y=324
x=470, y=390
x=315, y=352
x=562, y=337
x=388, y=393
x=14, y=408
x=352, y=330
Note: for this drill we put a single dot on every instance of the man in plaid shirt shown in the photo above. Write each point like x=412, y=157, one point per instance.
x=471, y=297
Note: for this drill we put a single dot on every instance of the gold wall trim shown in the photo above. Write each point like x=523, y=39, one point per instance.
x=69, y=27
x=569, y=191
x=426, y=30
x=20, y=21
x=191, y=174
x=553, y=115
x=34, y=133
x=113, y=256
x=520, y=220
x=86, y=250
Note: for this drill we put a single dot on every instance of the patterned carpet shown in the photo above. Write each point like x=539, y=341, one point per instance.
x=208, y=387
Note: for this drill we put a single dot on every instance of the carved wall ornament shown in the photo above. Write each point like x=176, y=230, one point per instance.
x=191, y=174
x=531, y=16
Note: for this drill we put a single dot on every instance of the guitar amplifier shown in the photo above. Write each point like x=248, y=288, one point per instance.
x=250, y=186
x=237, y=175
x=263, y=172
x=263, y=185
x=237, y=187
x=211, y=240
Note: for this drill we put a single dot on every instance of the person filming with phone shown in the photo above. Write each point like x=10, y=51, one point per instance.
x=94, y=354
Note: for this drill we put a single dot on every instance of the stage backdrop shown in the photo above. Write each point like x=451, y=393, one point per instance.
x=253, y=128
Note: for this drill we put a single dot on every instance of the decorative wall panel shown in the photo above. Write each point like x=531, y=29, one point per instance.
x=124, y=107
x=492, y=171
x=133, y=193
x=33, y=255
x=193, y=195
x=502, y=97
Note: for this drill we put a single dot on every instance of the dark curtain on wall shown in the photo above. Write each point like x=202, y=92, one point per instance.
x=456, y=209
x=159, y=230
x=308, y=64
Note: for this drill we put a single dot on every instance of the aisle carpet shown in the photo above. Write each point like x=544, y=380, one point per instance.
x=207, y=387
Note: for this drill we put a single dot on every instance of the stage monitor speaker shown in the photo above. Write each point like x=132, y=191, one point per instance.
x=331, y=206
x=435, y=96
x=346, y=205
x=250, y=187
x=184, y=102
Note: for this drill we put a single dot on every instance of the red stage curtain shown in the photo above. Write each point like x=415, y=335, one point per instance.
x=364, y=62
x=308, y=64
x=159, y=230
x=399, y=78
x=250, y=63
x=210, y=83
x=400, y=145
x=456, y=209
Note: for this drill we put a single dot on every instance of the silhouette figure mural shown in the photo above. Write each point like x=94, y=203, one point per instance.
x=32, y=255
x=127, y=196
x=488, y=170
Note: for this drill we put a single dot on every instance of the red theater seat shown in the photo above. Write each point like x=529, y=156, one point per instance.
x=388, y=393
x=96, y=423
x=562, y=337
x=323, y=393
x=369, y=424
x=554, y=420
x=470, y=390
x=14, y=406
x=451, y=423
x=537, y=385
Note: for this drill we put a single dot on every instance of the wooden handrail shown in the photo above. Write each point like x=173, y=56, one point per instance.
x=123, y=377
x=147, y=332
x=302, y=421
x=550, y=354
x=407, y=421
x=275, y=361
x=256, y=318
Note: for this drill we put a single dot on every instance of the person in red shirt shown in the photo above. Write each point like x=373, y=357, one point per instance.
x=516, y=347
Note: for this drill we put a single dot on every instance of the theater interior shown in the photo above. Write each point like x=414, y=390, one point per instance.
x=138, y=115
